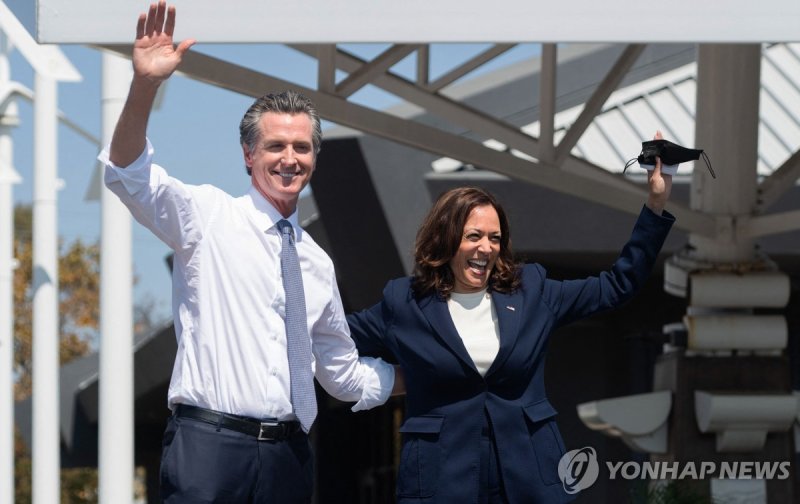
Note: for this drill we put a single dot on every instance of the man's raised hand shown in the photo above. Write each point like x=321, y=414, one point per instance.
x=155, y=56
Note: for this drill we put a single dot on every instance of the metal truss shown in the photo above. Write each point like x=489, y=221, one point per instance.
x=536, y=160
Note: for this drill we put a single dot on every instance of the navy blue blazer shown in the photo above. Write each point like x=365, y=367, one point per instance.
x=446, y=396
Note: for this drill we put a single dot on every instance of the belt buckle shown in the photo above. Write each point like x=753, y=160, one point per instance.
x=262, y=436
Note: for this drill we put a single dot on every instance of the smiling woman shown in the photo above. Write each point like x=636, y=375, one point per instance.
x=470, y=330
x=476, y=255
x=463, y=245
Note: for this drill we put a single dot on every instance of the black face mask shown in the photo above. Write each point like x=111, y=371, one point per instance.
x=670, y=154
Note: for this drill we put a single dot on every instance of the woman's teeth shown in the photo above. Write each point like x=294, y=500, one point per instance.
x=479, y=266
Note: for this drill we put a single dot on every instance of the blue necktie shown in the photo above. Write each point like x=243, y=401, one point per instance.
x=298, y=341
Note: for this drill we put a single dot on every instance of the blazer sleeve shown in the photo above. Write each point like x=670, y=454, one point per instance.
x=369, y=328
x=574, y=299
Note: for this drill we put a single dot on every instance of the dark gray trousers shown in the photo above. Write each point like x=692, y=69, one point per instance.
x=201, y=463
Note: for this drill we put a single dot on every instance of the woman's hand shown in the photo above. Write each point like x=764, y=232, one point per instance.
x=660, y=185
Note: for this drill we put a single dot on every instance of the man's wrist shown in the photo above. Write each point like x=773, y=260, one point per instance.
x=142, y=86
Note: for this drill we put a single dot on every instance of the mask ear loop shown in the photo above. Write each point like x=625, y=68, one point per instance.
x=630, y=162
x=708, y=164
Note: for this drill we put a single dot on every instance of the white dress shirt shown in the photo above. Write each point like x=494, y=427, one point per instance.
x=475, y=319
x=228, y=298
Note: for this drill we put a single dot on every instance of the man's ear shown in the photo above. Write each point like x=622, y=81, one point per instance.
x=248, y=160
x=247, y=157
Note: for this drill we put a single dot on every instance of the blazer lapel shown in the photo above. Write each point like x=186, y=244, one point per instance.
x=438, y=315
x=509, y=312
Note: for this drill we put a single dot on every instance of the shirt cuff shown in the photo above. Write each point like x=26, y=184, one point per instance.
x=134, y=176
x=378, y=383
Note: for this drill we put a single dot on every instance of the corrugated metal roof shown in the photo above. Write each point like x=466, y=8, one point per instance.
x=667, y=102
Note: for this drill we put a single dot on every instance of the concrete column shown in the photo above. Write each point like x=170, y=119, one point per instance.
x=46, y=452
x=728, y=88
x=714, y=360
x=116, y=423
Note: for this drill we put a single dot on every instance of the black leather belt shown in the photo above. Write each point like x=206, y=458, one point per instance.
x=264, y=431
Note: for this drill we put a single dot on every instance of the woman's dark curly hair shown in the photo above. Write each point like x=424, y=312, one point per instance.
x=440, y=236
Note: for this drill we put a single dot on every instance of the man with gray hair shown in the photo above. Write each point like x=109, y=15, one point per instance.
x=256, y=306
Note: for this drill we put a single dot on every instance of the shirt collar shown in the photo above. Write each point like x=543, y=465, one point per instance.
x=267, y=216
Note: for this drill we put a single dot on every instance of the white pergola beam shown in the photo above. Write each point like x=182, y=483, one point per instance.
x=423, y=21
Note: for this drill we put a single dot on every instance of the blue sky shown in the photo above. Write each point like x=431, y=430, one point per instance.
x=195, y=134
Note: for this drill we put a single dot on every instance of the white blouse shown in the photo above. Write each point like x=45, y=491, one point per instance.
x=475, y=319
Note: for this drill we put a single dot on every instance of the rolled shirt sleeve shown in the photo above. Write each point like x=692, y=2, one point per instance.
x=133, y=177
x=378, y=383
x=164, y=205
